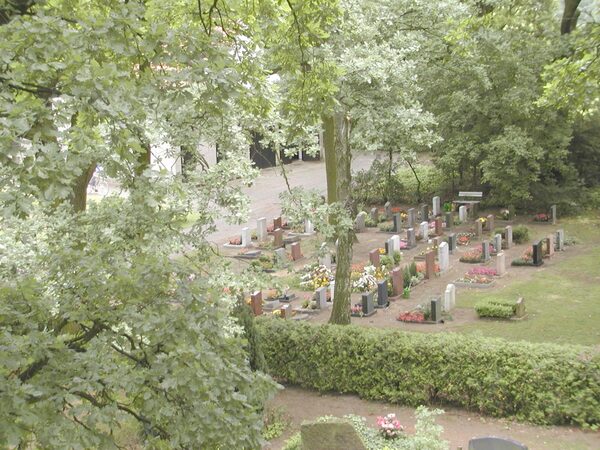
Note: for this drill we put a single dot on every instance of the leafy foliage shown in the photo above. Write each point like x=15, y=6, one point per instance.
x=541, y=383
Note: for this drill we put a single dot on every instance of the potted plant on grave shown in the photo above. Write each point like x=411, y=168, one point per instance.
x=406, y=292
x=389, y=427
x=473, y=256
x=464, y=238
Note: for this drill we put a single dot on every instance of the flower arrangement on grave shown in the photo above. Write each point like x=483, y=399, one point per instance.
x=277, y=313
x=464, y=238
x=381, y=251
x=403, y=244
x=316, y=276
x=526, y=258
x=356, y=310
x=541, y=217
x=235, y=240
x=474, y=255
x=416, y=316
x=367, y=280
x=470, y=278
x=483, y=271
x=309, y=303
x=483, y=220
x=504, y=214
x=389, y=426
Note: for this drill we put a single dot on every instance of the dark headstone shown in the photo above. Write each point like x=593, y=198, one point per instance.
x=452, y=242
x=397, y=222
x=485, y=250
x=436, y=310
x=367, y=304
x=335, y=434
x=411, y=238
x=296, y=251
x=382, y=294
x=277, y=223
x=537, y=254
x=438, y=226
x=495, y=443
x=278, y=238
x=424, y=208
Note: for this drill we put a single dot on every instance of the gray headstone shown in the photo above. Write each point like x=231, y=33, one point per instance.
x=485, y=250
x=335, y=434
x=321, y=295
x=382, y=294
x=449, y=219
x=411, y=219
x=553, y=214
x=388, y=210
x=497, y=243
x=462, y=213
x=411, y=238
x=560, y=240
x=359, y=223
x=281, y=255
x=508, y=235
x=261, y=229
x=495, y=443
x=436, y=206
x=375, y=215
x=424, y=212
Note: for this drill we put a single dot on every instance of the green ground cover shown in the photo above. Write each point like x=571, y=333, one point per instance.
x=563, y=300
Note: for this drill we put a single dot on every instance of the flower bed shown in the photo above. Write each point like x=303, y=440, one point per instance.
x=476, y=280
x=464, y=238
x=411, y=316
x=526, y=259
x=473, y=256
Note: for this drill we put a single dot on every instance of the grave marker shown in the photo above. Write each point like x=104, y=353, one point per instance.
x=436, y=310
x=436, y=206
x=388, y=210
x=490, y=223
x=332, y=290
x=281, y=256
x=278, y=238
x=321, y=297
x=286, y=311
x=375, y=215
x=444, y=256
x=397, y=222
x=485, y=250
x=395, y=239
x=397, y=281
x=296, y=251
x=246, y=237
x=411, y=238
x=550, y=245
x=462, y=213
x=411, y=219
x=553, y=214
x=256, y=303
x=308, y=227
x=497, y=243
x=359, y=223
x=438, y=226
x=424, y=229
x=424, y=212
x=537, y=254
x=479, y=228
x=451, y=242
x=367, y=304
x=277, y=223
x=560, y=240
x=382, y=297
x=509, y=237
x=500, y=264
x=449, y=297
x=261, y=229
x=374, y=257
x=430, y=264
x=449, y=219
x=520, y=307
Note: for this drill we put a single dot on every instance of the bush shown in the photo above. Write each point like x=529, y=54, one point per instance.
x=520, y=234
x=540, y=383
x=495, y=310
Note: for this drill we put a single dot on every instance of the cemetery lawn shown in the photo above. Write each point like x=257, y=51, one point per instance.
x=562, y=299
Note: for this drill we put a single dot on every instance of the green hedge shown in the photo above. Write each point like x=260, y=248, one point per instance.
x=496, y=308
x=540, y=383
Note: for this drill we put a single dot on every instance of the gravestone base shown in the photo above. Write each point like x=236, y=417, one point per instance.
x=271, y=305
x=382, y=306
x=291, y=240
x=253, y=254
x=363, y=315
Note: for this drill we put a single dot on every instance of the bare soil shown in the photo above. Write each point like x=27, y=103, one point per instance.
x=459, y=426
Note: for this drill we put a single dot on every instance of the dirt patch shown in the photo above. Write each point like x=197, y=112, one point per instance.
x=459, y=426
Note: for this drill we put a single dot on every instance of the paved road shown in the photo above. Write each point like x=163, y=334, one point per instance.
x=264, y=194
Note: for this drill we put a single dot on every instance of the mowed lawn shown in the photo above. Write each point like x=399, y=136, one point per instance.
x=563, y=300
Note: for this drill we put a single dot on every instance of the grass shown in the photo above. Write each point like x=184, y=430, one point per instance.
x=562, y=300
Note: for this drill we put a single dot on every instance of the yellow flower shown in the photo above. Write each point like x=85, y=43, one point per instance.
x=382, y=251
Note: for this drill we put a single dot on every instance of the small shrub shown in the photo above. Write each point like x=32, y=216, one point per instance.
x=413, y=269
x=386, y=226
x=494, y=310
x=397, y=258
x=520, y=234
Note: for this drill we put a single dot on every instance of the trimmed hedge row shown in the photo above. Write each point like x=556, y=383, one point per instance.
x=540, y=383
x=501, y=309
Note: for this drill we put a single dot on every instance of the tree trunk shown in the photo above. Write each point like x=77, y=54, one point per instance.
x=389, y=175
x=340, y=313
x=330, y=159
x=79, y=197
x=416, y=178
x=570, y=16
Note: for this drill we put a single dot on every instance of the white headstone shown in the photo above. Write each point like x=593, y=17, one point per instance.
x=321, y=295
x=246, y=238
x=560, y=240
x=396, y=241
x=436, y=206
x=462, y=213
x=424, y=229
x=449, y=297
x=444, y=256
x=332, y=290
x=281, y=255
x=308, y=226
x=261, y=229
x=500, y=264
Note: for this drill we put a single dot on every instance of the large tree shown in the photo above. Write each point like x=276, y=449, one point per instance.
x=112, y=317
